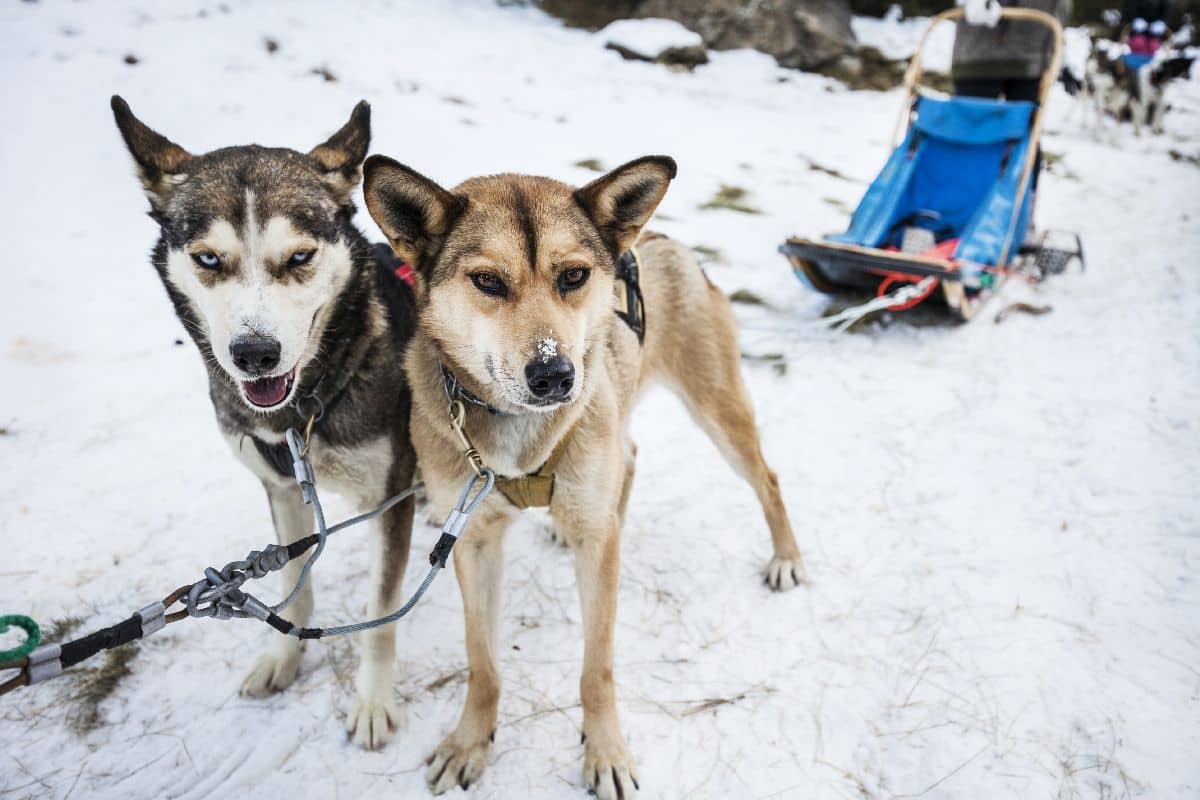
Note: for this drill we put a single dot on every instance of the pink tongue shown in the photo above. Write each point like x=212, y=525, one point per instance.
x=266, y=391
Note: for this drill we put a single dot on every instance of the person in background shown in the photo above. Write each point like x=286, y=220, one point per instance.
x=1146, y=37
x=1149, y=12
x=1004, y=59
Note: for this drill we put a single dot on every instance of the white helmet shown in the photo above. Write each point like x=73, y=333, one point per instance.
x=1158, y=28
x=1139, y=25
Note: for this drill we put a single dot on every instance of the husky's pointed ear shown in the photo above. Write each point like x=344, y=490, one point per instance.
x=621, y=202
x=411, y=210
x=342, y=154
x=160, y=161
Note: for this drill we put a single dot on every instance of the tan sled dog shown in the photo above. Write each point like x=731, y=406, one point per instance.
x=516, y=280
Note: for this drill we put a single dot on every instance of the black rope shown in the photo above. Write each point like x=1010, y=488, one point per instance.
x=79, y=650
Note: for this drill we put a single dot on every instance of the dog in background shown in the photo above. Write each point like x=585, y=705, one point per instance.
x=516, y=281
x=1111, y=86
x=295, y=319
x=1148, y=103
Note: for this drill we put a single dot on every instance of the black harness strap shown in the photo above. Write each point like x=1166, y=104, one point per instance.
x=634, y=311
x=277, y=455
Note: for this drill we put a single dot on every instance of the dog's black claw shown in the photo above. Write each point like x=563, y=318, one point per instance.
x=617, y=784
x=583, y=738
x=636, y=785
x=463, y=783
x=492, y=736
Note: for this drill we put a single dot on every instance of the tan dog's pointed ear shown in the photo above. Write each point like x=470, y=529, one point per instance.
x=159, y=161
x=413, y=212
x=342, y=154
x=621, y=202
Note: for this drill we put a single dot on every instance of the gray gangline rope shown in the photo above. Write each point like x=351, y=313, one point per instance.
x=308, y=486
x=219, y=595
x=453, y=527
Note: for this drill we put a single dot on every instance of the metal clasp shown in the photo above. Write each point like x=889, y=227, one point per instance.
x=308, y=430
x=458, y=415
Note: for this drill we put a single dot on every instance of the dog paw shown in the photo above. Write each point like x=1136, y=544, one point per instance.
x=608, y=769
x=457, y=763
x=273, y=672
x=785, y=574
x=373, y=722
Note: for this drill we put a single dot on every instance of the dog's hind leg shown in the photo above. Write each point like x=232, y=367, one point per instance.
x=710, y=384
x=375, y=717
x=276, y=669
x=479, y=565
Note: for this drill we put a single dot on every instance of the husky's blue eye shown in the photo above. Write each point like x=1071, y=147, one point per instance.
x=207, y=260
x=300, y=258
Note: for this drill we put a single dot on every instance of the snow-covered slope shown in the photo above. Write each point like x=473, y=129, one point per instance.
x=1001, y=521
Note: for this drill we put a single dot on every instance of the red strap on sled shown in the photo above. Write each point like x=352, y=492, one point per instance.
x=944, y=250
x=901, y=277
x=405, y=273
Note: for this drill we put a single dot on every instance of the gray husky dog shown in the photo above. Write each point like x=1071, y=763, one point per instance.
x=297, y=317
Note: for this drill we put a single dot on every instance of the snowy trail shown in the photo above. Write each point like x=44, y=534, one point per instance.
x=1000, y=521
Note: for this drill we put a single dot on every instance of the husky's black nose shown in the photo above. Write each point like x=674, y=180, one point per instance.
x=255, y=355
x=550, y=379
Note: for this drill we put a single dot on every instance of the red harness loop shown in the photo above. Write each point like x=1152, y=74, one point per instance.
x=405, y=273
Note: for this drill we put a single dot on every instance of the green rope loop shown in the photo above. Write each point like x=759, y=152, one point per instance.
x=33, y=635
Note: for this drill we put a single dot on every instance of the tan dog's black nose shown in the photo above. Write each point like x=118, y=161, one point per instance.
x=550, y=379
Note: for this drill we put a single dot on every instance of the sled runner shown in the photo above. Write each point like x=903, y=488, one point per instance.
x=951, y=207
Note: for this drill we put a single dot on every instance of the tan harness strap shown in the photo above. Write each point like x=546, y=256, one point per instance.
x=536, y=489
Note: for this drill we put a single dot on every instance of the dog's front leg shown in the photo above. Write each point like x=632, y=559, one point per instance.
x=608, y=767
x=375, y=717
x=1157, y=111
x=479, y=566
x=276, y=669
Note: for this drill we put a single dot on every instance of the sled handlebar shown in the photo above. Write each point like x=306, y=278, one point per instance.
x=912, y=82
x=912, y=76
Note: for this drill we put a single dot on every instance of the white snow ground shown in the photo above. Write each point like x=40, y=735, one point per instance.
x=1000, y=521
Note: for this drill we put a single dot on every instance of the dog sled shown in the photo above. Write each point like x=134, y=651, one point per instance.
x=951, y=206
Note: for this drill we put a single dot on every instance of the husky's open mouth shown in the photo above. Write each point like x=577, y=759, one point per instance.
x=269, y=392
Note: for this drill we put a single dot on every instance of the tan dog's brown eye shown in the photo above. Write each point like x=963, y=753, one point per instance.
x=489, y=283
x=571, y=279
